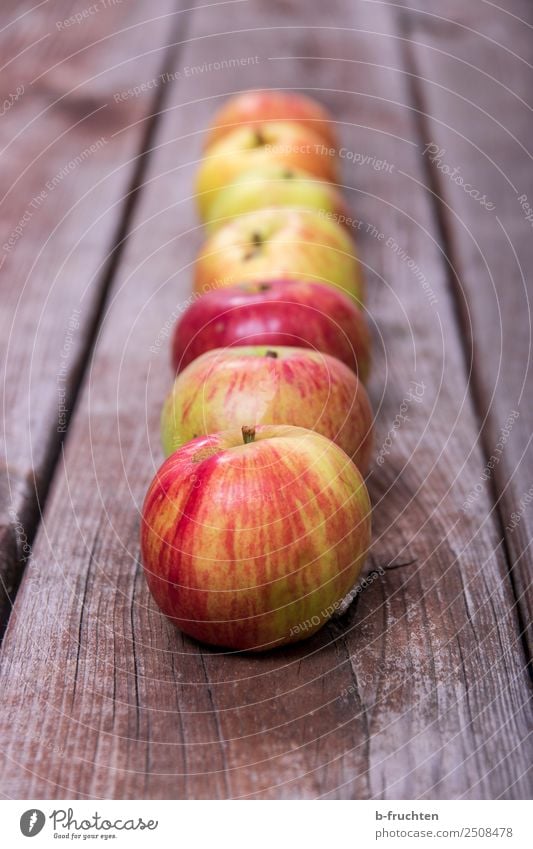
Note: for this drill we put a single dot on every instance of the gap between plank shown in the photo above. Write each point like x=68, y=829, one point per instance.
x=460, y=306
x=172, y=50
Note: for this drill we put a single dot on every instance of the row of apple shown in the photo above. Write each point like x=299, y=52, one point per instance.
x=257, y=524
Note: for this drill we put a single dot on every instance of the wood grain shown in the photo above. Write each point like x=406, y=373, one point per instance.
x=419, y=690
x=71, y=155
x=479, y=114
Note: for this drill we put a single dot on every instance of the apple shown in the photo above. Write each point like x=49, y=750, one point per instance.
x=297, y=313
x=275, y=243
x=251, y=539
x=290, y=145
x=269, y=385
x=271, y=186
x=256, y=107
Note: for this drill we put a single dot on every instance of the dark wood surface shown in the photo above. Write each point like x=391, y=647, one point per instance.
x=421, y=689
x=489, y=254
x=64, y=206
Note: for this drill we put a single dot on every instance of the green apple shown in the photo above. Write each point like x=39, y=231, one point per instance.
x=283, y=143
x=274, y=243
x=272, y=186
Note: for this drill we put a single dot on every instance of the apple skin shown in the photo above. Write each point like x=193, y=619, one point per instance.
x=252, y=546
x=298, y=313
x=274, y=185
x=274, y=243
x=246, y=148
x=269, y=385
x=256, y=107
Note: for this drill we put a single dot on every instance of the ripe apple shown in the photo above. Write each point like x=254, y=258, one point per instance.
x=262, y=385
x=286, y=144
x=275, y=243
x=257, y=107
x=251, y=541
x=297, y=313
x=271, y=186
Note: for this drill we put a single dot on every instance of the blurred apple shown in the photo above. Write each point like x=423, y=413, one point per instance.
x=290, y=145
x=273, y=186
x=257, y=107
x=251, y=539
x=263, y=385
x=297, y=313
x=273, y=243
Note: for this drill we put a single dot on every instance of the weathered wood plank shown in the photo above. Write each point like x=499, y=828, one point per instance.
x=474, y=77
x=70, y=156
x=419, y=690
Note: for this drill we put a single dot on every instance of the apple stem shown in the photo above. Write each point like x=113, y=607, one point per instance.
x=248, y=434
x=256, y=244
x=273, y=354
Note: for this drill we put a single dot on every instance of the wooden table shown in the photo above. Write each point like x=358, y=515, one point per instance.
x=421, y=689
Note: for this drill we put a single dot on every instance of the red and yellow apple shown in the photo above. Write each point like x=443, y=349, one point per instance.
x=273, y=186
x=251, y=540
x=263, y=385
x=257, y=107
x=246, y=148
x=274, y=243
x=298, y=313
